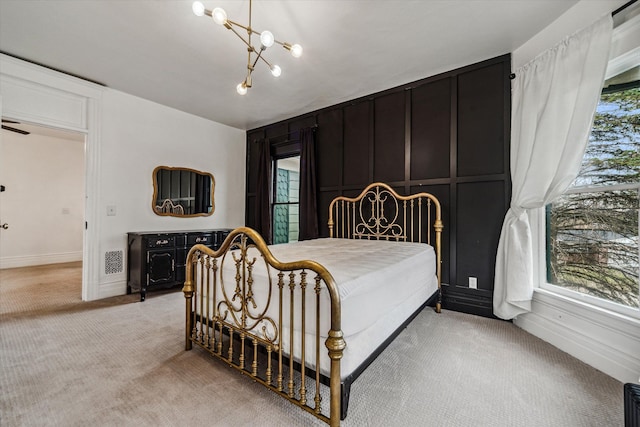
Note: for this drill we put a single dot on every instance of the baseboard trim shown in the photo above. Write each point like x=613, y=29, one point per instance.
x=472, y=301
x=112, y=289
x=607, y=341
x=44, y=259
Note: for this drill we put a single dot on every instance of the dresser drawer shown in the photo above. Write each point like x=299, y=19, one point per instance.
x=161, y=241
x=158, y=259
x=206, y=239
x=181, y=240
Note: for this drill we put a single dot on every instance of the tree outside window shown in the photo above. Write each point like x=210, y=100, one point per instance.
x=592, y=231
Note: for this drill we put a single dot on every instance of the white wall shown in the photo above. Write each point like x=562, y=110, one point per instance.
x=44, y=199
x=139, y=135
x=603, y=339
x=126, y=138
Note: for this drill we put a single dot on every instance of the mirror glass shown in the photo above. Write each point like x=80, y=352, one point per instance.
x=182, y=192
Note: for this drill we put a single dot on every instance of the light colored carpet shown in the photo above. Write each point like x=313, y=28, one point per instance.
x=119, y=362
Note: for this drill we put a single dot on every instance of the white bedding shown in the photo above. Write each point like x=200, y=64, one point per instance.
x=380, y=284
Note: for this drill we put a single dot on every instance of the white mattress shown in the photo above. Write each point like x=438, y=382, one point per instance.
x=372, y=276
x=380, y=284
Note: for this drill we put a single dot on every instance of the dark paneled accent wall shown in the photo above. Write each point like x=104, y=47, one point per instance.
x=447, y=135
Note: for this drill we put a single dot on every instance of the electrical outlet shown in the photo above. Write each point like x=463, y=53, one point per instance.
x=473, y=283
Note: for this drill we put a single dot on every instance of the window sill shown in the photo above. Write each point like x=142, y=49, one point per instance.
x=580, y=304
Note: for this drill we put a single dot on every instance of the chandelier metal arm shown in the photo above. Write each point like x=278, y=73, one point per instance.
x=242, y=38
x=240, y=25
x=264, y=60
x=266, y=40
x=258, y=57
x=283, y=44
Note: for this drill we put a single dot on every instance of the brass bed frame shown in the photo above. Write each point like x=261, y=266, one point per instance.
x=258, y=340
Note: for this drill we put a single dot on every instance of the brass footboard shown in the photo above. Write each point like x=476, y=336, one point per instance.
x=268, y=329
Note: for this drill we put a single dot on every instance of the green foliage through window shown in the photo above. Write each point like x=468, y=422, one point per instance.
x=592, y=231
x=613, y=153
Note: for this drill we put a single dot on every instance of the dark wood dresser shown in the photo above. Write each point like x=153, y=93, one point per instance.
x=156, y=260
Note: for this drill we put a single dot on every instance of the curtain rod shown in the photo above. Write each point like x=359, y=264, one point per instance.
x=614, y=13
x=314, y=127
x=623, y=7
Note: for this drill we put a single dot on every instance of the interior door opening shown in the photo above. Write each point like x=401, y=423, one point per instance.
x=42, y=170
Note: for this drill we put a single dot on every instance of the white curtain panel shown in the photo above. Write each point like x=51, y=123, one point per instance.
x=554, y=101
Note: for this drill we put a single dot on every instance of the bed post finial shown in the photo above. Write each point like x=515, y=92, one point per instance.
x=438, y=226
x=188, y=295
x=335, y=344
x=330, y=223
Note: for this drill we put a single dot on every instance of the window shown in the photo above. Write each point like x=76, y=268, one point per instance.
x=286, y=192
x=592, y=231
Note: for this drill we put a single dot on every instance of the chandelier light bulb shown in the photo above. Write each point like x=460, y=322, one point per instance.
x=219, y=16
x=267, y=39
x=198, y=8
x=296, y=51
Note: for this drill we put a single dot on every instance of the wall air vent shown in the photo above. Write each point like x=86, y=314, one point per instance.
x=113, y=262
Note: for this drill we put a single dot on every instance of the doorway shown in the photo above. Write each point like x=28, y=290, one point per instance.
x=42, y=207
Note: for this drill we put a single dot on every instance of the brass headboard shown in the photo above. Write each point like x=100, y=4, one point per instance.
x=168, y=206
x=379, y=213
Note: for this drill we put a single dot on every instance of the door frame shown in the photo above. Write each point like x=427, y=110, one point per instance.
x=35, y=94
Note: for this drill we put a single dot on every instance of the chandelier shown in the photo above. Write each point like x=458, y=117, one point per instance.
x=267, y=40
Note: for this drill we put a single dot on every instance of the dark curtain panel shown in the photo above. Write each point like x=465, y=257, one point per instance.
x=263, y=192
x=308, y=189
x=202, y=194
x=197, y=195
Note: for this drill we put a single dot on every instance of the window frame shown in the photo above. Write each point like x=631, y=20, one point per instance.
x=274, y=179
x=538, y=221
x=537, y=217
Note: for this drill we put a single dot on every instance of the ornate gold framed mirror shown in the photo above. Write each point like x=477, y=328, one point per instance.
x=182, y=192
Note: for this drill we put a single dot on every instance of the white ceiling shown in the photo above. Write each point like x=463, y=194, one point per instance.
x=159, y=50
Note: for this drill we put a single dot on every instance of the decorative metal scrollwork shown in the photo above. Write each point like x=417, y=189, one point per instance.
x=240, y=308
x=376, y=224
x=380, y=213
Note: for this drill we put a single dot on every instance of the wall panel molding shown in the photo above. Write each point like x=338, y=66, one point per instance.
x=446, y=132
x=31, y=102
